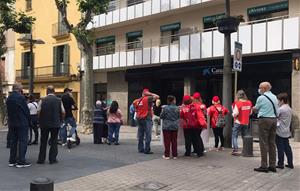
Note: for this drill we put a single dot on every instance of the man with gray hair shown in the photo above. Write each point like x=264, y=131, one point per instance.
x=267, y=108
x=51, y=113
x=18, y=122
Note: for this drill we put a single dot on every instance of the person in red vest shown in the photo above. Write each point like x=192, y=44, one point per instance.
x=217, y=113
x=143, y=107
x=194, y=121
x=242, y=109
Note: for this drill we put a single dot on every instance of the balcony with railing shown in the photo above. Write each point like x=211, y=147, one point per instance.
x=262, y=36
x=124, y=10
x=59, y=31
x=45, y=73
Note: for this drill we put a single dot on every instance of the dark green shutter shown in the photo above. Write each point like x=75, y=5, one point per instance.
x=170, y=27
x=66, y=59
x=105, y=40
x=55, y=65
x=135, y=34
x=212, y=18
x=270, y=8
x=23, y=65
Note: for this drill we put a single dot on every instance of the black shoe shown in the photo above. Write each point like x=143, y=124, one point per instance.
x=117, y=143
x=109, y=143
x=200, y=155
x=272, y=169
x=148, y=153
x=40, y=162
x=280, y=167
x=29, y=143
x=53, y=162
x=187, y=154
x=141, y=151
x=12, y=164
x=23, y=164
x=261, y=169
x=289, y=166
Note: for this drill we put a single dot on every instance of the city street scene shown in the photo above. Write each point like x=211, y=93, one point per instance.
x=149, y=95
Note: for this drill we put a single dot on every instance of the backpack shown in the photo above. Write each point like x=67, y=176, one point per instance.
x=220, y=122
x=191, y=117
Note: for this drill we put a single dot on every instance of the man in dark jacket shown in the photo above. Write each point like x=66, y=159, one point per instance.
x=18, y=122
x=51, y=113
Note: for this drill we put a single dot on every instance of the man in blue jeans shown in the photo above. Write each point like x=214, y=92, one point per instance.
x=69, y=105
x=144, y=114
x=18, y=122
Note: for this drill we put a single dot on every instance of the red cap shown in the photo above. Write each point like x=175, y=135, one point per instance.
x=186, y=98
x=145, y=90
x=216, y=99
x=196, y=95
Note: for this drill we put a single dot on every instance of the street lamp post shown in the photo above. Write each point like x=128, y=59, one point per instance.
x=31, y=42
x=227, y=25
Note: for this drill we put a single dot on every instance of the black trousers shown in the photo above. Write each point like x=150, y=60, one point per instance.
x=192, y=136
x=218, y=133
x=33, y=128
x=201, y=145
x=44, y=141
x=98, y=132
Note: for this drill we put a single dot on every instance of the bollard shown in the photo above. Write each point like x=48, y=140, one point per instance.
x=247, y=146
x=42, y=184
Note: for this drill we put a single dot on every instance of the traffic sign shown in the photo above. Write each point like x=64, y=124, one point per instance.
x=237, y=58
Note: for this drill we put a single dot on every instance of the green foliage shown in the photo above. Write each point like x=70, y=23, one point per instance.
x=94, y=6
x=11, y=19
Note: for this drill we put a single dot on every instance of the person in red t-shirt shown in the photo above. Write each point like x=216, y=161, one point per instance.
x=242, y=109
x=217, y=121
x=203, y=132
x=143, y=108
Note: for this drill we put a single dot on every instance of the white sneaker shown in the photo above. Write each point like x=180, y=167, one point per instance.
x=164, y=157
x=175, y=158
x=71, y=139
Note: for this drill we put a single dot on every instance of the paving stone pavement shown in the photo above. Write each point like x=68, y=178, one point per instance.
x=214, y=171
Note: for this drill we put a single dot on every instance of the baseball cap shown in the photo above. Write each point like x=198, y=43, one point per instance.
x=196, y=95
x=216, y=99
x=145, y=90
x=186, y=98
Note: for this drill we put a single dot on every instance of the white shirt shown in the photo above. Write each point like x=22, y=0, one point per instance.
x=33, y=108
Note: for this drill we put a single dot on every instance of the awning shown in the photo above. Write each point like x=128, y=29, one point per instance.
x=104, y=40
x=270, y=8
x=212, y=18
x=134, y=34
x=170, y=27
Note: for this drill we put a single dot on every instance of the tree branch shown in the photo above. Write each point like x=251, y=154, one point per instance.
x=62, y=8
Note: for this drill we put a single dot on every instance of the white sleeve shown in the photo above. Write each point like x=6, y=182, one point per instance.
x=235, y=111
x=39, y=106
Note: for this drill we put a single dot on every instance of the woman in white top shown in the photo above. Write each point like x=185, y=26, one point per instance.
x=33, y=108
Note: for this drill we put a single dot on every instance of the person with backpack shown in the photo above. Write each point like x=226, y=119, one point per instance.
x=217, y=113
x=242, y=109
x=33, y=108
x=143, y=108
x=114, y=121
x=267, y=108
x=170, y=116
x=193, y=122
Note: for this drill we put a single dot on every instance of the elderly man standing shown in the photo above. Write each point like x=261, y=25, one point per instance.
x=51, y=114
x=18, y=122
x=267, y=107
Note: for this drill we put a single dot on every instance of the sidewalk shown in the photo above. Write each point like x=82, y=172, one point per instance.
x=215, y=171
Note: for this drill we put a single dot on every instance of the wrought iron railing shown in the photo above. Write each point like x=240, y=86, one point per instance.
x=59, y=29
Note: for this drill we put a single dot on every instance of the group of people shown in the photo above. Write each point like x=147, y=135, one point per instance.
x=274, y=121
x=51, y=114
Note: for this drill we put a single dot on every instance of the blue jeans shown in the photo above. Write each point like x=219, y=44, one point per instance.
x=18, y=142
x=144, y=131
x=235, y=132
x=283, y=146
x=113, y=128
x=63, y=129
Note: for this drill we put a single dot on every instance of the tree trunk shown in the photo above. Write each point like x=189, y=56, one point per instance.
x=2, y=105
x=87, y=110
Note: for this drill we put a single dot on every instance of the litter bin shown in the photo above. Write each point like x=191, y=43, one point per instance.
x=42, y=184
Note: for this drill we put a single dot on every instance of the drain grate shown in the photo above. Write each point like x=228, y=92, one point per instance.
x=149, y=186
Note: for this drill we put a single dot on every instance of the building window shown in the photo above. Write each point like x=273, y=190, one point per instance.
x=105, y=45
x=25, y=72
x=112, y=6
x=210, y=21
x=28, y=5
x=134, y=2
x=61, y=55
x=268, y=11
x=169, y=33
x=134, y=40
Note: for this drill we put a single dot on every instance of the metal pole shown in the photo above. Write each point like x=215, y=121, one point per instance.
x=235, y=81
x=31, y=76
x=227, y=82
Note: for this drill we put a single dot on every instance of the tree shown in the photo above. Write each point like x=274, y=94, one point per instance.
x=19, y=22
x=87, y=8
